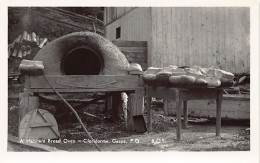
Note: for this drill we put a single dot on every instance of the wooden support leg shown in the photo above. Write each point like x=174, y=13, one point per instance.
x=149, y=113
x=218, y=114
x=130, y=107
x=179, y=102
x=108, y=103
x=27, y=103
x=139, y=108
x=185, y=112
x=116, y=98
x=165, y=107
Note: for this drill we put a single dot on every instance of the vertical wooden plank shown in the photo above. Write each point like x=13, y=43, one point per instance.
x=139, y=15
x=185, y=114
x=139, y=107
x=130, y=24
x=191, y=37
x=236, y=37
x=214, y=37
x=126, y=30
x=178, y=34
x=149, y=113
x=154, y=38
x=233, y=36
x=228, y=40
x=108, y=103
x=27, y=103
x=169, y=41
x=204, y=37
x=219, y=36
x=23, y=104
x=241, y=41
x=150, y=38
x=127, y=9
x=164, y=34
x=223, y=38
x=195, y=33
x=130, y=108
x=165, y=107
x=208, y=34
x=114, y=13
x=136, y=31
x=200, y=43
x=160, y=50
x=105, y=17
x=186, y=29
x=116, y=100
x=173, y=40
x=178, y=113
x=247, y=32
x=120, y=11
x=218, y=113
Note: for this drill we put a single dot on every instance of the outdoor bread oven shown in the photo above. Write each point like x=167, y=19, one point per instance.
x=76, y=63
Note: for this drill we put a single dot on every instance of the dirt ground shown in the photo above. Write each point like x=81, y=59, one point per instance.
x=111, y=136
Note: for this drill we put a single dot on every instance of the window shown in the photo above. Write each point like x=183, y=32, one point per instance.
x=118, y=32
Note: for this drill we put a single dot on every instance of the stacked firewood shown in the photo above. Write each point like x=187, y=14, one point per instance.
x=23, y=44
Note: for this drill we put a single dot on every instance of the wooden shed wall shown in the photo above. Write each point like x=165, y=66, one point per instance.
x=201, y=36
x=135, y=23
x=113, y=13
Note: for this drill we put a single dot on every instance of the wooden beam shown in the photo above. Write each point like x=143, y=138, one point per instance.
x=130, y=108
x=85, y=81
x=116, y=101
x=27, y=103
x=133, y=49
x=70, y=90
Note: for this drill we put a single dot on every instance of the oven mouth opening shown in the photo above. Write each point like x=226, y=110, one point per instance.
x=82, y=61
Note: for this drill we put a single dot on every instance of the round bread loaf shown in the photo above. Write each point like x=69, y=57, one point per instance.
x=149, y=75
x=213, y=82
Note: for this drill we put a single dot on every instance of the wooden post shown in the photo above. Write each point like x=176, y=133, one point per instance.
x=139, y=103
x=169, y=107
x=130, y=108
x=116, y=98
x=149, y=113
x=165, y=107
x=108, y=103
x=27, y=103
x=179, y=102
x=185, y=114
x=218, y=113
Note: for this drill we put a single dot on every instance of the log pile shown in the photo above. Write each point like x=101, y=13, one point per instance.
x=24, y=43
x=191, y=77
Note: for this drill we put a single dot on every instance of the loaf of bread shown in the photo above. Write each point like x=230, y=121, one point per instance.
x=226, y=82
x=213, y=82
x=163, y=75
x=135, y=67
x=221, y=74
x=149, y=75
x=182, y=80
x=200, y=83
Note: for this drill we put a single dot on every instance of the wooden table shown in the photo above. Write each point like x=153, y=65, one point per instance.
x=182, y=95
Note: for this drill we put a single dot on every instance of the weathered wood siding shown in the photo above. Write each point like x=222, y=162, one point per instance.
x=201, y=36
x=134, y=51
x=135, y=23
x=113, y=13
